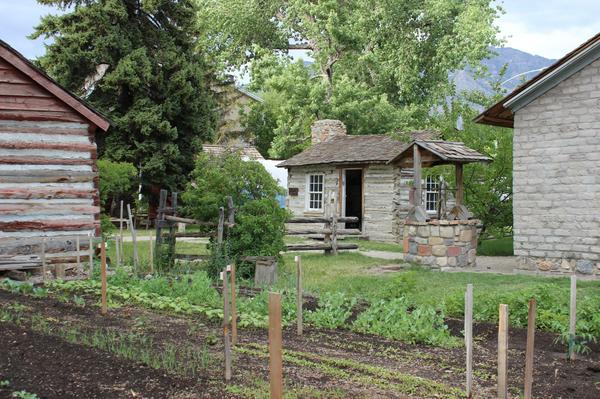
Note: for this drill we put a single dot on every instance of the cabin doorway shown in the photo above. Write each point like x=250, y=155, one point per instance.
x=352, y=203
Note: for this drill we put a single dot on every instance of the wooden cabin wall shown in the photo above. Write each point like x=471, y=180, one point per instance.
x=48, y=173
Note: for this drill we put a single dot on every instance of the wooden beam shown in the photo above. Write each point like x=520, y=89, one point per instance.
x=417, y=175
x=458, y=167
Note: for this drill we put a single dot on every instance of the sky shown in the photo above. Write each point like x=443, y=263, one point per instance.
x=550, y=28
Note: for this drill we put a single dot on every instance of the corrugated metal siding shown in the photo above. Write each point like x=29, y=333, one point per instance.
x=48, y=174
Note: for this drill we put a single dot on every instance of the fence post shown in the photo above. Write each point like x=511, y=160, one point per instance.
x=120, y=253
x=160, y=219
x=275, y=350
x=334, y=227
x=44, y=266
x=231, y=211
x=136, y=259
x=299, y=296
x=529, y=349
x=502, y=352
x=151, y=253
x=233, y=307
x=91, y=254
x=220, y=226
x=572, y=317
x=469, y=337
x=227, y=343
x=172, y=238
x=104, y=307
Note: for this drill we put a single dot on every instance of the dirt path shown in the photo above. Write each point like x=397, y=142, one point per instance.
x=329, y=363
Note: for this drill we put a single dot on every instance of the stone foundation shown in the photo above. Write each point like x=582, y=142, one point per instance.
x=558, y=265
x=441, y=244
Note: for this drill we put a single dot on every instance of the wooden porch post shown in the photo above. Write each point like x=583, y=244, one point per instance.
x=418, y=201
x=459, y=184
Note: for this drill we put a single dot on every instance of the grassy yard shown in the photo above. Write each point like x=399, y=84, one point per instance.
x=354, y=274
x=365, y=245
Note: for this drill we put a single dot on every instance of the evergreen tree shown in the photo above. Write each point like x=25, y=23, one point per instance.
x=137, y=62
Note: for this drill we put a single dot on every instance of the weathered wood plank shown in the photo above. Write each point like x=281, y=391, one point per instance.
x=45, y=225
x=46, y=193
x=79, y=147
x=46, y=176
x=17, y=160
x=318, y=247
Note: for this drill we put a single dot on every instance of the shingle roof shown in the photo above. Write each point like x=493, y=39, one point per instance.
x=348, y=149
x=443, y=152
x=244, y=149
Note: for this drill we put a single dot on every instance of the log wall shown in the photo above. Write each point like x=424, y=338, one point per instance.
x=48, y=173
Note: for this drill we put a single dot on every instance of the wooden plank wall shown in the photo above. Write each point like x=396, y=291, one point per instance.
x=48, y=173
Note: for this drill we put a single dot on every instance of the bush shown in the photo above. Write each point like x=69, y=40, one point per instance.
x=395, y=319
x=260, y=222
x=333, y=311
x=117, y=180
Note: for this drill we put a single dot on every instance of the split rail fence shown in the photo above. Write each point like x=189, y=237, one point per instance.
x=167, y=219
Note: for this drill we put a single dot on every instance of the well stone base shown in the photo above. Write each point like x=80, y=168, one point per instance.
x=441, y=244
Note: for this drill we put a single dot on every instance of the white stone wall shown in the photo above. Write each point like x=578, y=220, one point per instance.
x=557, y=177
x=379, y=221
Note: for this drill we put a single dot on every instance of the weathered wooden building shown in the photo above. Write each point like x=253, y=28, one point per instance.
x=48, y=174
x=357, y=171
x=556, y=163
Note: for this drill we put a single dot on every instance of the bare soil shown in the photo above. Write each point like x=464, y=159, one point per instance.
x=332, y=363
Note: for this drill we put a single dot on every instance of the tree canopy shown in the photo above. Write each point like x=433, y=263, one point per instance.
x=136, y=61
x=379, y=66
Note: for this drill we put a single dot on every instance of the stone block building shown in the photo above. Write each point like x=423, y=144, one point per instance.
x=556, y=150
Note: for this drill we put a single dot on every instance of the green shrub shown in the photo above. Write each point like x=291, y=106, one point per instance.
x=117, y=180
x=397, y=320
x=333, y=311
x=259, y=220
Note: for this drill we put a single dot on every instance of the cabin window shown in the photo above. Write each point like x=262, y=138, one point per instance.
x=432, y=184
x=315, y=189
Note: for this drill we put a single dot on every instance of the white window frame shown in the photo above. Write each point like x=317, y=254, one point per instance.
x=432, y=184
x=309, y=192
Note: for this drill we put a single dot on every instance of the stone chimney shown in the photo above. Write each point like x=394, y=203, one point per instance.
x=326, y=129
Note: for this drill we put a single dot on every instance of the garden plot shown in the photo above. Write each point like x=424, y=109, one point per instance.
x=182, y=354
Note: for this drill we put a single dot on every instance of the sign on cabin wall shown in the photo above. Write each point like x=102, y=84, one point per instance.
x=293, y=191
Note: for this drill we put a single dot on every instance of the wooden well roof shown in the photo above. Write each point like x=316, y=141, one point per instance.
x=439, y=152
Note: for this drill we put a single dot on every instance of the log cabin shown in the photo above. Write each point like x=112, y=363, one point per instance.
x=48, y=173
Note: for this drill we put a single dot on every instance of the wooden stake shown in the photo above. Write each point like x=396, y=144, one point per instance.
x=459, y=184
x=136, y=259
x=91, y=252
x=572, y=317
x=44, y=267
x=469, y=338
x=104, y=307
x=120, y=243
x=226, y=338
x=275, y=351
x=233, y=307
x=299, y=295
x=502, y=352
x=78, y=254
x=530, y=348
x=151, y=254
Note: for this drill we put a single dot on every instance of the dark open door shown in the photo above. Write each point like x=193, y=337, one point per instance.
x=353, y=196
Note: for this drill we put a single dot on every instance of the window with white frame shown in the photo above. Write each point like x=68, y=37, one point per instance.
x=431, y=193
x=315, y=187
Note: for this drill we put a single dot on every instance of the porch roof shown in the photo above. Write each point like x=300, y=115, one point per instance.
x=439, y=152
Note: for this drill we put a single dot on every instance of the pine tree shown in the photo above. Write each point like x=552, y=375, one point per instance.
x=154, y=86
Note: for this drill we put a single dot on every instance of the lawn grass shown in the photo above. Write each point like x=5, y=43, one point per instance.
x=183, y=247
x=350, y=273
x=367, y=245
x=496, y=247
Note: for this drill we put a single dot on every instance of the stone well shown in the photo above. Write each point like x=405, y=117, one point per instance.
x=441, y=244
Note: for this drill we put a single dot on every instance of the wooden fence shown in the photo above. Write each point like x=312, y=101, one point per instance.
x=167, y=219
x=330, y=233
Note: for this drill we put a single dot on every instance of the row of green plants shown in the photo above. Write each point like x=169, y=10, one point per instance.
x=195, y=294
